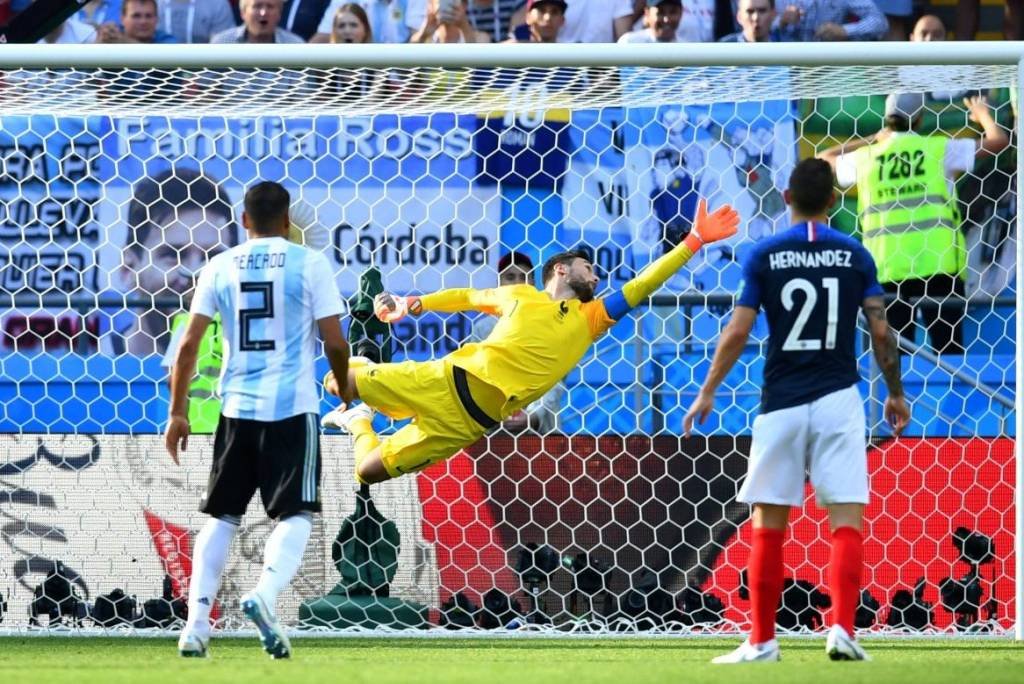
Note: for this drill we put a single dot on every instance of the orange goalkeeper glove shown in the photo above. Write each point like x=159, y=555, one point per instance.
x=720, y=224
x=389, y=308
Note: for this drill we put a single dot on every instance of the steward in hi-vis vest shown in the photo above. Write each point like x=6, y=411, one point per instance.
x=204, y=404
x=907, y=210
x=908, y=214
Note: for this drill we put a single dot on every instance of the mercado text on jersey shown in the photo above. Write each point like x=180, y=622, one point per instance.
x=811, y=282
x=535, y=343
x=270, y=293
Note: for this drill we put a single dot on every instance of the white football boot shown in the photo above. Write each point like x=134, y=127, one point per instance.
x=330, y=420
x=339, y=418
x=768, y=652
x=841, y=646
x=272, y=636
x=192, y=645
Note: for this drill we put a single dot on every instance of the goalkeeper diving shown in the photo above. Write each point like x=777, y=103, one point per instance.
x=540, y=336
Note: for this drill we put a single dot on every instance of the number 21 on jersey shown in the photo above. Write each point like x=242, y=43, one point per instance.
x=795, y=340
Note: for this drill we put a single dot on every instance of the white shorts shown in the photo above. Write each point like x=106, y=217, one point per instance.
x=825, y=438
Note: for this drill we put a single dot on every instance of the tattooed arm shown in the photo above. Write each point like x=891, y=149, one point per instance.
x=887, y=354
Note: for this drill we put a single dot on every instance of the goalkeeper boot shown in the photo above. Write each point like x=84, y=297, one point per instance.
x=340, y=418
x=272, y=636
x=768, y=652
x=353, y=363
x=191, y=645
x=841, y=646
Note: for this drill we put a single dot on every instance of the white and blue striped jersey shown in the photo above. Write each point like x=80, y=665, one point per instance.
x=270, y=293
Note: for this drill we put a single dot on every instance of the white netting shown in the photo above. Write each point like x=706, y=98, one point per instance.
x=590, y=512
x=426, y=90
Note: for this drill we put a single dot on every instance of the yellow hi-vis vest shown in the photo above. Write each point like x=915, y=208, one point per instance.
x=908, y=216
x=204, y=404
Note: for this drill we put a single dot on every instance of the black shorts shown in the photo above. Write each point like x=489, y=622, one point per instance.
x=281, y=458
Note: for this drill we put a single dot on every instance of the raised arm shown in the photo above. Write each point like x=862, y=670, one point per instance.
x=871, y=23
x=707, y=228
x=730, y=345
x=995, y=139
x=887, y=354
x=390, y=308
x=335, y=349
x=832, y=154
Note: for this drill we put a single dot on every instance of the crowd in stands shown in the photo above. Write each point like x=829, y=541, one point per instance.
x=509, y=21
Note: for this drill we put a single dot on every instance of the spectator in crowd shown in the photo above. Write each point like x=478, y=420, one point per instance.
x=303, y=17
x=260, y=24
x=177, y=220
x=195, y=21
x=755, y=18
x=447, y=21
x=830, y=20
x=351, y=25
x=967, y=13
x=897, y=14
x=389, y=20
x=515, y=268
x=71, y=31
x=544, y=20
x=138, y=25
x=699, y=21
x=928, y=28
x=661, y=19
x=596, y=21
x=908, y=214
x=99, y=12
x=496, y=18
x=919, y=77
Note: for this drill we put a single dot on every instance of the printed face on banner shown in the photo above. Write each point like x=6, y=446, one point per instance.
x=162, y=231
x=738, y=154
x=114, y=512
x=636, y=176
x=393, y=192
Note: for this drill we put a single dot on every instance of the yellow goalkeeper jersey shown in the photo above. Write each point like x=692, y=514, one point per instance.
x=535, y=343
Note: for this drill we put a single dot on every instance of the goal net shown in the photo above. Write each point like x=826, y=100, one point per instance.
x=589, y=512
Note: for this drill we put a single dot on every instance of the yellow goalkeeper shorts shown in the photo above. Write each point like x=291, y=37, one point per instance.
x=426, y=392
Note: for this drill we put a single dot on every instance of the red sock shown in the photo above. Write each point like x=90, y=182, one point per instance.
x=765, y=577
x=844, y=572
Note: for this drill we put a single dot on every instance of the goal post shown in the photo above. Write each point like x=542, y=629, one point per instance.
x=1018, y=446
x=122, y=170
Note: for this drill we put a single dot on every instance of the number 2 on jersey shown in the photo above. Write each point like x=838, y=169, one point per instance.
x=795, y=340
x=247, y=316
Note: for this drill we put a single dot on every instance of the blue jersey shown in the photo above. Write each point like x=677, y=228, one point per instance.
x=811, y=281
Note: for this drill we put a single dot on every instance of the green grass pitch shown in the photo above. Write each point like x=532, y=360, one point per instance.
x=486, y=660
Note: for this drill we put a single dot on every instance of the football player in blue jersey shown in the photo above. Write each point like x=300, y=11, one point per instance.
x=811, y=281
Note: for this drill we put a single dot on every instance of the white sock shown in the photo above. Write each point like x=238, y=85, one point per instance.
x=283, y=556
x=208, y=560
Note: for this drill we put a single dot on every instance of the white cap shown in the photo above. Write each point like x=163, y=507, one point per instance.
x=904, y=104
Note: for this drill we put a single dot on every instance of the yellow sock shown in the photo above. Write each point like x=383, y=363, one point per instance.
x=364, y=440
